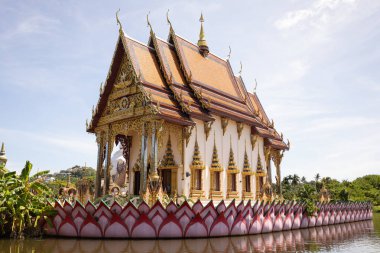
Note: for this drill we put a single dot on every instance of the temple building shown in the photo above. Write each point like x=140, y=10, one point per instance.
x=179, y=117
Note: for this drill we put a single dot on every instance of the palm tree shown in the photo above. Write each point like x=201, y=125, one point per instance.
x=295, y=179
x=317, y=177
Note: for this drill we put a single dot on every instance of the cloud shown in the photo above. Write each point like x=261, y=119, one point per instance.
x=319, y=13
x=36, y=24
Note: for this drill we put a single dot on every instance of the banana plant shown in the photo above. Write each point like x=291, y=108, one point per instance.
x=23, y=202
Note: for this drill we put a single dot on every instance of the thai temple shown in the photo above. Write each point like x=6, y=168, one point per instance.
x=173, y=116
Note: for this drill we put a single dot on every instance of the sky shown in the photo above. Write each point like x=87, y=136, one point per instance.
x=316, y=64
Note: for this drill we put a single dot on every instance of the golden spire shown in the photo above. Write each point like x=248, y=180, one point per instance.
x=246, y=166
x=119, y=23
x=168, y=20
x=168, y=160
x=3, y=158
x=202, y=44
x=197, y=162
x=231, y=161
x=215, y=160
x=148, y=24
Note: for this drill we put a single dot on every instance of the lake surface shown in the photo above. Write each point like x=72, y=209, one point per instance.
x=361, y=236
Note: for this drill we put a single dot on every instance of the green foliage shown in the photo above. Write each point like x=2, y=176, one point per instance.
x=365, y=188
x=23, y=202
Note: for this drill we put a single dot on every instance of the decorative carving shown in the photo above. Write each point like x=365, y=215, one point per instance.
x=168, y=159
x=239, y=127
x=259, y=166
x=253, y=141
x=224, y=124
x=246, y=165
x=207, y=128
x=196, y=168
x=232, y=172
x=187, y=133
x=267, y=153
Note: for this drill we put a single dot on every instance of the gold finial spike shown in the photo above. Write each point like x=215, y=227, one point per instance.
x=202, y=44
x=229, y=53
x=148, y=22
x=118, y=21
x=241, y=68
x=254, y=89
x=2, y=148
x=167, y=18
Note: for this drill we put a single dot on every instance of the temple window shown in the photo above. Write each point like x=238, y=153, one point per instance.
x=246, y=178
x=196, y=168
x=168, y=170
x=248, y=183
x=233, y=182
x=217, y=181
x=198, y=179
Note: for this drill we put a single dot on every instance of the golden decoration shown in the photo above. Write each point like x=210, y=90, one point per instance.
x=224, y=124
x=239, y=128
x=187, y=133
x=253, y=141
x=207, y=127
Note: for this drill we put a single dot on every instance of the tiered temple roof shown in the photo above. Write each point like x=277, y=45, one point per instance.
x=187, y=84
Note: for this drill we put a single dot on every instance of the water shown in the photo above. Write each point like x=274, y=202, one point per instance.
x=361, y=236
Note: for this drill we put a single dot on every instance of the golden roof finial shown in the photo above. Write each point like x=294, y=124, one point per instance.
x=168, y=20
x=254, y=89
x=229, y=53
x=202, y=44
x=118, y=21
x=3, y=158
x=148, y=23
x=241, y=68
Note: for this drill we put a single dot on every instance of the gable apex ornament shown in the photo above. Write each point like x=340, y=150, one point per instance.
x=202, y=43
x=119, y=23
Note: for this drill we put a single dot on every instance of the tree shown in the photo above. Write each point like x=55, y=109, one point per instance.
x=23, y=202
x=295, y=179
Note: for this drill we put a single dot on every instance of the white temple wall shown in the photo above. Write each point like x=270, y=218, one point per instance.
x=223, y=146
x=135, y=150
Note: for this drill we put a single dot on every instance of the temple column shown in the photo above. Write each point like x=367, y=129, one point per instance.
x=144, y=158
x=154, y=149
x=269, y=171
x=107, y=166
x=99, y=167
x=277, y=158
x=268, y=153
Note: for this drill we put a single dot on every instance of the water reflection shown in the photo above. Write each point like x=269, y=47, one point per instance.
x=314, y=239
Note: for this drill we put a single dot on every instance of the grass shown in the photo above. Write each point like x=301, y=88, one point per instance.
x=376, y=209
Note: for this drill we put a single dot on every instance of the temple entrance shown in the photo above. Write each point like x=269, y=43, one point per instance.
x=167, y=181
x=136, y=188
